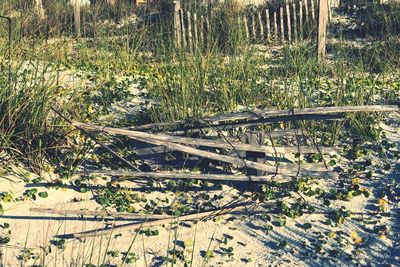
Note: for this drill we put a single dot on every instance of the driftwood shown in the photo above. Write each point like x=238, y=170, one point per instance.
x=154, y=139
x=127, y=175
x=280, y=115
x=137, y=226
x=100, y=213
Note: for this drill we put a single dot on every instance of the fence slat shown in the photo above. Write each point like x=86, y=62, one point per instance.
x=181, y=15
x=77, y=18
x=282, y=26
x=195, y=25
x=323, y=17
x=189, y=30
x=301, y=19
x=312, y=10
x=177, y=24
x=253, y=27
x=268, y=24
x=275, y=27
x=294, y=21
x=202, y=30
x=246, y=28
x=261, y=26
x=289, y=28
x=307, y=14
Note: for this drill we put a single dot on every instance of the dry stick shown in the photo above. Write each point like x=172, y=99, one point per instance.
x=189, y=29
x=126, y=175
x=295, y=21
x=261, y=26
x=282, y=26
x=268, y=23
x=181, y=14
x=301, y=19
x=136, y=226
x=149, y=138
x=196, y=36
x=91, y=136
x=265, y=114
x=100, y=213
x=289, y=26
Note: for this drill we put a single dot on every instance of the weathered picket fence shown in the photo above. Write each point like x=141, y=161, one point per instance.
x=275, y=22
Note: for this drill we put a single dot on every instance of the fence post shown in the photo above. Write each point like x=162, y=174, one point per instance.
x=322, y=28
x=77, y=18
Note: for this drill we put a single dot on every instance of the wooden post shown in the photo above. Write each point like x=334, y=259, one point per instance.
x=255, y=139
x=322, y=28
x=177, y=24
x=268, y=23
x=77, y=18
x=289, y=26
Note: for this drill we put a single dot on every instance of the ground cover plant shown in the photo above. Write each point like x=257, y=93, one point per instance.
x=124, y=71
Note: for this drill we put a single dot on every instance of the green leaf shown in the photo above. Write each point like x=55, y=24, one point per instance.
x=307, y=226
x=43, y=194
x=331, y=234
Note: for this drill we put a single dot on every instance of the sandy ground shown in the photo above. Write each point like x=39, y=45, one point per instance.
x=236, y=240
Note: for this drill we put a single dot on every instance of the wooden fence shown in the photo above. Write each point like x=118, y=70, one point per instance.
x=272, y=23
